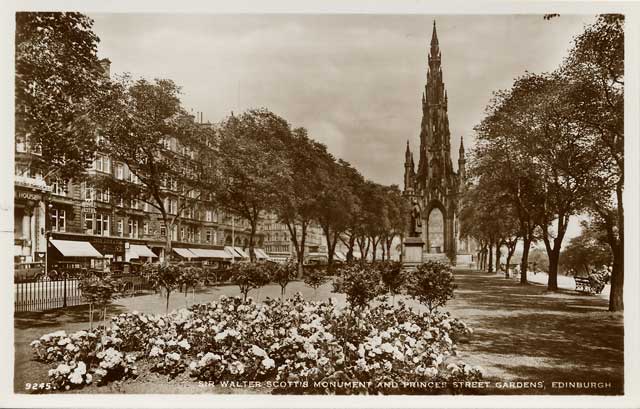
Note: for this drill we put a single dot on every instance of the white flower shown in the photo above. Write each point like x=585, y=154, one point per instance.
x=431, y=372
x=386, y=347
x=75, y=378
x=81, y=368
x=323, y=361
x=88, y=378
x=184, y=344
x=64, y=341
x=220, y=336
x=256, y=350
x=63, y=369
x=155, y=351
x=268, y=363
x=70, y=347
x=174, y=356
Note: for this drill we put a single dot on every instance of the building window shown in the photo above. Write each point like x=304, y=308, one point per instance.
x=102, y=195
x=102, y=225
x=89, y=193
x=120, y=202
x=88, y=222
x=145, y=228
x=133, y=228
x=174, y=232
x=171, y=205
x=60, y=187
x=120, y=171
x=120, y=227
x=182, y=234
x=102, y=164
x=163, y=231
x=208, y=236
x=58, y=220
x=134, y=203
x=209, y=216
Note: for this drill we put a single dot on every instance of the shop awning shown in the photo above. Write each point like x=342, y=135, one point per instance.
x=236, y=252
x=210, y=253
x=261, y=255
x=184, y=253
x=70, y=248
x=140, y=250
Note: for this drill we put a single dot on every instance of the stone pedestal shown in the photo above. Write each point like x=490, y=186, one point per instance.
x=413, y=247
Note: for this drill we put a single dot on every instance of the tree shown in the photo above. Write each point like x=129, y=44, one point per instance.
x=587, y=251
x=595, y=70
x=99, y=291
x=398, y=209
x=283, y=274
x=431, y=284
x=336, y=202
x=297, y=200
x=164, y=277
x=314, y=278
x=249, y=276
x=392, y=275
x=147, y=132
x=251, y=166
x=58, y=82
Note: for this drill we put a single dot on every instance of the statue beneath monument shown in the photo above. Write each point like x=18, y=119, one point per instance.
x=416, y=220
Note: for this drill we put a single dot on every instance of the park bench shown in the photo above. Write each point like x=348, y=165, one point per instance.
x=588, y=285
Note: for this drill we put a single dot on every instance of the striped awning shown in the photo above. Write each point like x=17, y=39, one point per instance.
x=184, y=253
x=261, y=255
x=141, y=250
x=70, y=248
x=210, y=253
x=236, y=252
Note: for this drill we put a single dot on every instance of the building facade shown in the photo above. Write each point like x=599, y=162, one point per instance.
x=434, y=188
x=278, y=243
x=50, y=213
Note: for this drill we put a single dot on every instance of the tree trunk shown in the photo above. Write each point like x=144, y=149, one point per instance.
x=526, y=245
x=498, y=254
x=616, y=300
x=490, y=267
x=252, y=235
x=167, y=306
x=553, y=253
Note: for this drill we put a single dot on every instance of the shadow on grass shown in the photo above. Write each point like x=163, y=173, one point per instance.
x=528, y=333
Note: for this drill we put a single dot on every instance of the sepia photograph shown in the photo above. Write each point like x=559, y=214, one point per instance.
x=319, y=205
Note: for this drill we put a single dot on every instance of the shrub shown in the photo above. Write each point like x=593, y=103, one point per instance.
x=249, y=276
x=314, y=277
x=282, y=274
x=99, y=291
x=392, y=275
x=431, y=284
x=359, y=283
x=165, y=277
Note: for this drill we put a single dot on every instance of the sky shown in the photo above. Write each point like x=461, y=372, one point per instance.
x=354, y=81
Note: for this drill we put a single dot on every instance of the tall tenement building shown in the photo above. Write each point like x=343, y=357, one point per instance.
x=75, y=224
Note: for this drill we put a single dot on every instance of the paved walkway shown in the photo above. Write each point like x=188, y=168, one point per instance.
x=522, y=333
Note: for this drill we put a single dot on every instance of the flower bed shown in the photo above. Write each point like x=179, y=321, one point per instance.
x=297, y=346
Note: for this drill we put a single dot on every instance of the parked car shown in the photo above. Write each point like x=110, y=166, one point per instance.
x=27, y=272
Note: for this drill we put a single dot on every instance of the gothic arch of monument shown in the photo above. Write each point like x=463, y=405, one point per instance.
x=435, y=184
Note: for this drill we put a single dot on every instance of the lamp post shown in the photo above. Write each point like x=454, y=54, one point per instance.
x=233, y=238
